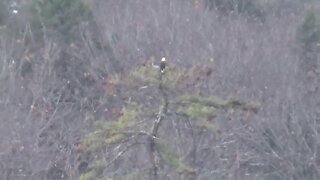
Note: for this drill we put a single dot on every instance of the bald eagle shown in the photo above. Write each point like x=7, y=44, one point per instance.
x=163, y=64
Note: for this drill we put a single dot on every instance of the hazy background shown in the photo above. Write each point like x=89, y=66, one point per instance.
x=65, y=65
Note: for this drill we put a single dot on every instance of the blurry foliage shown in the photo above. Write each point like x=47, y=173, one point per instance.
x=208, y=101
x=131, y=176
x=203, y=109
x=96, y=168
x=308, y=34
x=94, y=140
x=220, y=103
x=270, y=139
x=244, y=7
x=308, y=37
x=129, y=114
x=170, y=157
x=4, y=13
x=146, y=73
x=115, y=138
x=98, y=165
x=60, y=15
x=199, y=112
x=91, y=175
x=243, y=105
x=110, y=132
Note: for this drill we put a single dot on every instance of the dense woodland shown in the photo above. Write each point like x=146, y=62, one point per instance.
x=82, y=97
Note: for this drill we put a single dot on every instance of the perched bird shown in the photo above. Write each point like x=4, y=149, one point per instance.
x=163, y=64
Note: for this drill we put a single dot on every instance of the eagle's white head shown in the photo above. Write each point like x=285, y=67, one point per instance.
x=163, y=59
